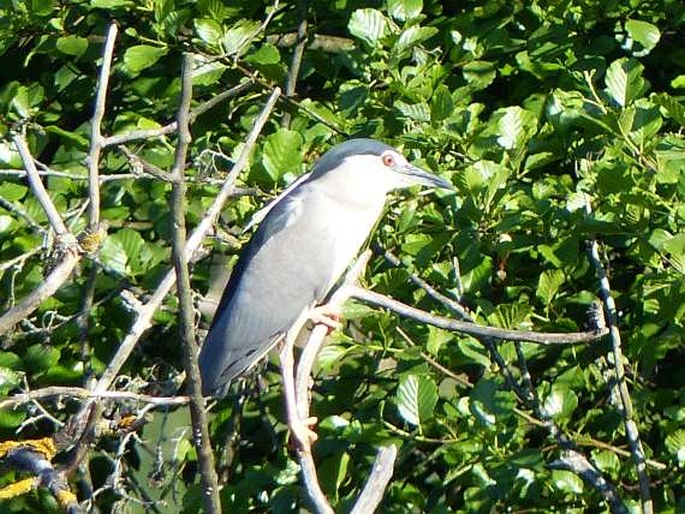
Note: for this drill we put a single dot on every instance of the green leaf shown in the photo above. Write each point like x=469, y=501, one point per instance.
x=72, y=45
x=137, y=58
x=567, y=482
x=560, y=402
x=645, y=33
x=510, y=128
x=113, y=255
x=267, y=54
x=675, y=443
x=405, y=10
x=549, y=283
x=412, y=36
x=624, y=81
x=239, y=36
x=442, y=105
x=437, y=338
x=209, y=31
x=416, y=398
x=369, y=25
x=282, y=153
x=479, y=74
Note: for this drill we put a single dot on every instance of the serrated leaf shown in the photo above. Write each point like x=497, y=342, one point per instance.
x=624, y=81
x=675, y=443
x=238, y=36
x=510, y=128
x=139, y=57
x=267, y=54
x=549, y=283
x=674, y=109
x=72, y=45
x=412, y=36
x=417, y=111
x=369, y=25
x=416, y=398
x=442, y=105
x=405, y=10
x=209, y=31
x=282, y=153
x=645, y=33
x=560, y=402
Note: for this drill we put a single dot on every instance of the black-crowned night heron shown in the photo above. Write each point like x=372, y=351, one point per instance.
x=305, y=241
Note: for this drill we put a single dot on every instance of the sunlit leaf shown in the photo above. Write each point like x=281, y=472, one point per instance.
x=416, y=398
x=369, y=25
x=624, y=81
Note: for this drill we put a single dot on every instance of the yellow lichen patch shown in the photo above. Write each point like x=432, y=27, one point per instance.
x=18, y=488
x=65, y=498
x=45, y=446
x=127, y=422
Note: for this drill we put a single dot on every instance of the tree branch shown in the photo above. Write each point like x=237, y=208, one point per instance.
x=208, y=477
x=478, y=331
x=96, y=139
x=625, y=407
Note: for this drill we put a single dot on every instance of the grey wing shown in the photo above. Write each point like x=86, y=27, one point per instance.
x=285, y=268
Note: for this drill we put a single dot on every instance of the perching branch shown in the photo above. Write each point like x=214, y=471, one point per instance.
x=200, y=439
x=382, y=469
x=478, y=331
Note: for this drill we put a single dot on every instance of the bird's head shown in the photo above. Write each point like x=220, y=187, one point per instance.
x=375, y=165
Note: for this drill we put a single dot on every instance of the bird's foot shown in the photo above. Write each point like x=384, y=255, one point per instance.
x=328, y=315
x=303, y=432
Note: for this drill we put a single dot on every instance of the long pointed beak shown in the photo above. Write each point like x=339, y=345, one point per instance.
x=416, y=175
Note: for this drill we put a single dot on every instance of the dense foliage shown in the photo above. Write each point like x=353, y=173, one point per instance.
x=559, y=123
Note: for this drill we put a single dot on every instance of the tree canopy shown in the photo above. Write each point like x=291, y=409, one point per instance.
x=560, y=125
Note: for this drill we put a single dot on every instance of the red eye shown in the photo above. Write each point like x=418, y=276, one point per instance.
x=388, y=160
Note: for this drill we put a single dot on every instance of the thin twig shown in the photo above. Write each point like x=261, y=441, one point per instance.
x=38, y=189
x=134, y=135
x=96, y=139
x=83, y=393
x=298, y=51
x=198, y=415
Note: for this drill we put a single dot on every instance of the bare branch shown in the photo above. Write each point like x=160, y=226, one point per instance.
x=381, y=472
x=45, y=290
x=626, y=405
x=380, y=476
x=208, y=477
x=96, y=139
x=135, y=135
x=83, y=393
x=478, y=331
x=39, y=190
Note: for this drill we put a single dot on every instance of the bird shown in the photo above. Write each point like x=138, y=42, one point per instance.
x=305, y=240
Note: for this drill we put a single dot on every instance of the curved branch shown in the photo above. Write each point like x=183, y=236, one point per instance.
x=545, y=339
